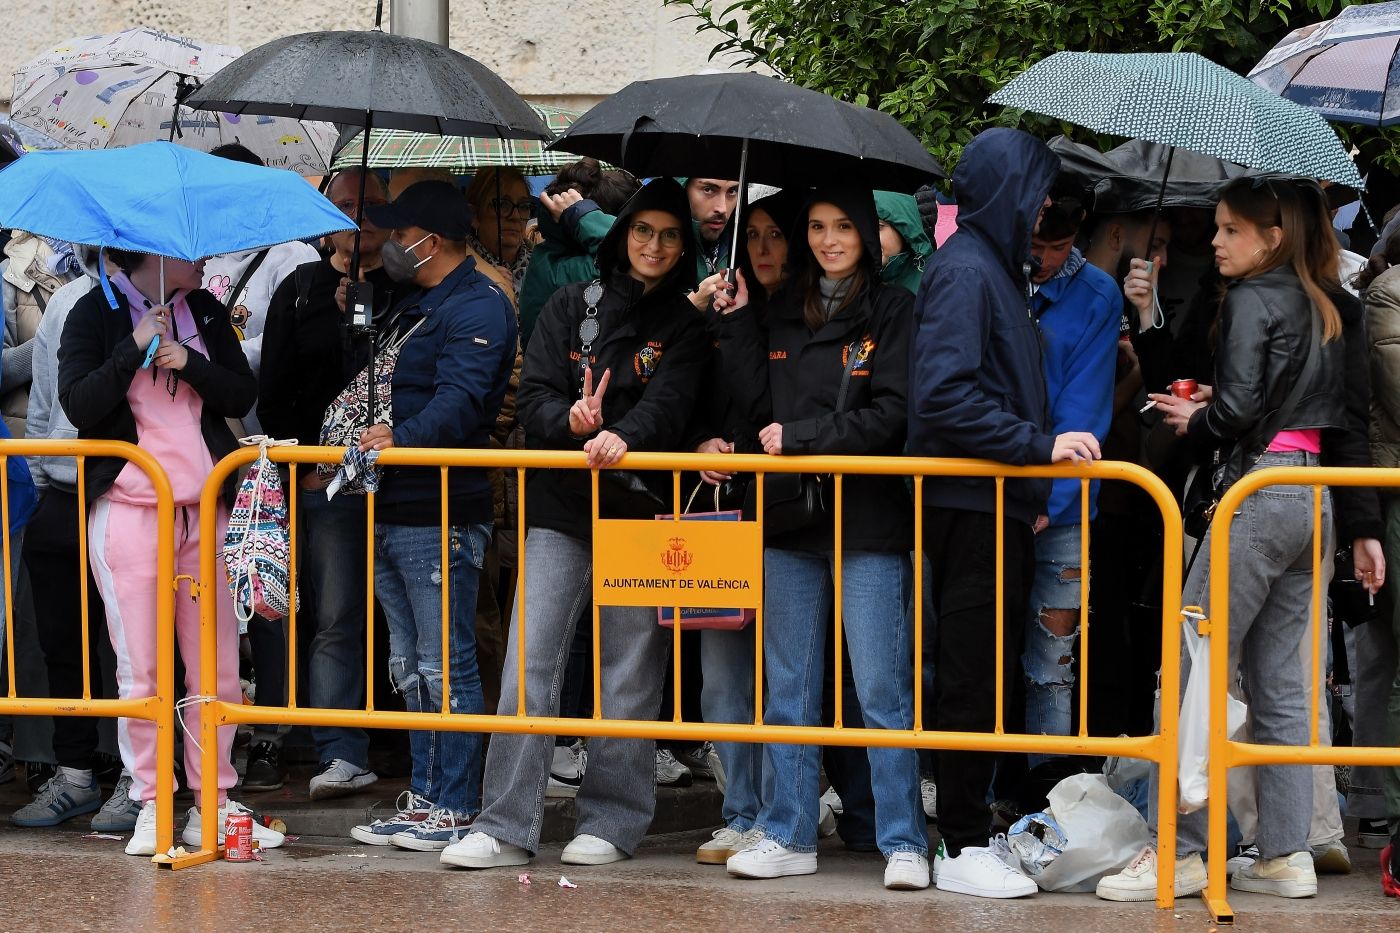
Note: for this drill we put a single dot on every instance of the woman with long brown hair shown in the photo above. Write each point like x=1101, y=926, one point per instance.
x=1277, y=398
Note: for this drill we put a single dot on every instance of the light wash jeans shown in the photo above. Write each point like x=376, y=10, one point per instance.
x=877, y=616
x=1048, y=659
x=333, y=565
x=408, y=581
x=618, y=794
x=726, y=695
x=1271, y=544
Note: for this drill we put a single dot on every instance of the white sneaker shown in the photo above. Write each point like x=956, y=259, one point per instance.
x=478, y=850
x=767, y=859
x=669, y=771
x=338, y=778
x=723, y=843
x=143, y=838
x=264, y=836
x=1138, y=882
x=566, y=770
x=590, y=850
x=833, y=800
x=906, y=871
x=978, y=871
x=826, y=820
x=928, y=793
x=1287, y=876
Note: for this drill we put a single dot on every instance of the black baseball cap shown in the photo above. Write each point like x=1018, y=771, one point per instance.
x=435, y=206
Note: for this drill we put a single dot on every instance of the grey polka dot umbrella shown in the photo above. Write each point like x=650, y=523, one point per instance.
x=1183, y=100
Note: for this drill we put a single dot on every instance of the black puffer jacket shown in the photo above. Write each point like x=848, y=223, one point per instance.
x=1265, y=328
x=654, y=344
x=791, y=375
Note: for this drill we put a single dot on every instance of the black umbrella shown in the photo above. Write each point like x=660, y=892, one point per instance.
x=371, y=79
x=1132, y=177
x=768, y=130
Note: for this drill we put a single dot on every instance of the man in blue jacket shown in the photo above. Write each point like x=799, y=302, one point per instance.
x=1078, y=307
x=457, y=338
x=977, y=389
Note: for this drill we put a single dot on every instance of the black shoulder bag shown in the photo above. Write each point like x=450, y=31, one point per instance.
x=793, y=501
x=1203, y=495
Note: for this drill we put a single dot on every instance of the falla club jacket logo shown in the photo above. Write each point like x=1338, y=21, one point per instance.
x=676, y=558
x=644, y=363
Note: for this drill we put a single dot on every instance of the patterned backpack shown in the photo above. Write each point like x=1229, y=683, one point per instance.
x=257, y=547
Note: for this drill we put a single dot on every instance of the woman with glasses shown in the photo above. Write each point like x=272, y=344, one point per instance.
x=615, y=365
x=501, y=205
x=171, y=401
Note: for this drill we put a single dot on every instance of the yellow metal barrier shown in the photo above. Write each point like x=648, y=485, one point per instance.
x=1160, y=748
x=1224, y=752
x=159, y=709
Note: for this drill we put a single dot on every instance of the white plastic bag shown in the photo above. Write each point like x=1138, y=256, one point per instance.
x=1193, y=728
x=1103, y=833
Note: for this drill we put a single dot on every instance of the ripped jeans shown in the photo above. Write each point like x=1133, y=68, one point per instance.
x=1048, y=658
x=408, y=581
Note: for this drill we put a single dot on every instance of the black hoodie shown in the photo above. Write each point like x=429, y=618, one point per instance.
x=654, y=344
x=788, y=374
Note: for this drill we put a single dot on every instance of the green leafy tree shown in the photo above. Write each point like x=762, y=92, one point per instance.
x=932, y=63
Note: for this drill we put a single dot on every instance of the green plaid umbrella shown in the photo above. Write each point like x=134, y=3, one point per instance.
x=1183, y=100
x=404, y=149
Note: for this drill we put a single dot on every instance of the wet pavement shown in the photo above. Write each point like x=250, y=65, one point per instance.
x=59, y=880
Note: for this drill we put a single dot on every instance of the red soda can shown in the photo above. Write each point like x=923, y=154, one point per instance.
x=1184, y=388
x=238, y=838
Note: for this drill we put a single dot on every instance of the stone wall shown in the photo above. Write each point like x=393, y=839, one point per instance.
x=566, y=52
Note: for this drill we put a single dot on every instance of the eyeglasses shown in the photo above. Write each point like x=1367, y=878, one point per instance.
x=504, y=207
x=642, y=234
x=347, y=205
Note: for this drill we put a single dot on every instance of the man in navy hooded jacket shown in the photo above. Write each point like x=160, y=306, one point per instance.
x=977, y=389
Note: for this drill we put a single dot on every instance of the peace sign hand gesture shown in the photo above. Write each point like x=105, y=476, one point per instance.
x=586, y=415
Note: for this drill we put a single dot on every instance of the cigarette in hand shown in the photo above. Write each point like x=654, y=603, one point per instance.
x=1146, y=408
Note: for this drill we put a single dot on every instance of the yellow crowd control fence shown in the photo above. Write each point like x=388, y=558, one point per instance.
x=614, y=540
x=158, y=709
x=1226, y=753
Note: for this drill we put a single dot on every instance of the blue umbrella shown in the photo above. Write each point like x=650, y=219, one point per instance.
x=161, y=199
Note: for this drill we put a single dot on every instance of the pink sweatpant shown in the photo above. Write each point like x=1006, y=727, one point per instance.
x=121, y=547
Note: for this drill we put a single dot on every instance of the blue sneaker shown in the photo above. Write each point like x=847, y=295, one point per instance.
x=59, y=800
x=437, y=832
x=413, y=810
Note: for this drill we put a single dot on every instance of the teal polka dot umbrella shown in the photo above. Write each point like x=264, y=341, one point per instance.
x=1183, y=100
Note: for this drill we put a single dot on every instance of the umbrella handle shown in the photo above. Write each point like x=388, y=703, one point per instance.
x=732, y=276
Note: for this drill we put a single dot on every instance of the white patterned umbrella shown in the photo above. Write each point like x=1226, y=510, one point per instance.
x=117, y=90
x=1183, y=100
x=1346, y=68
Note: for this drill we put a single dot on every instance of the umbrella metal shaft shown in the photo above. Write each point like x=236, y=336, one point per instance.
x=732, y=276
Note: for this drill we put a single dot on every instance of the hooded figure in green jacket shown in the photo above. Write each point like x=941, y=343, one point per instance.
x=903, y=242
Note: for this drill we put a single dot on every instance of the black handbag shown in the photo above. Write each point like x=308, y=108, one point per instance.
x=1203, y=495
x=794, y=501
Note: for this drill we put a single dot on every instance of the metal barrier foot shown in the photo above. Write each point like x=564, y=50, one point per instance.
x=1220, y=912
x=184, y=859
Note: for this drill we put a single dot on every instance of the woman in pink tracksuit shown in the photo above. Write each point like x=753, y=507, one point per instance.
x=175, y=410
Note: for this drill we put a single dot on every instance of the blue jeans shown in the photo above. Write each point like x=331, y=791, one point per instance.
x=1048, y=659
x=726, y=695
x=333, y=567
x=408, y=581
x=877, y=618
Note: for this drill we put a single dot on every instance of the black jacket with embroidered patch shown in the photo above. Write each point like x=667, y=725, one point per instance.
x=788, y=374
x=655, y=346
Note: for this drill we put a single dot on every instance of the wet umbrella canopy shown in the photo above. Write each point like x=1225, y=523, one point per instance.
x=1131, y=176
x=698, y=125
x=359, y=77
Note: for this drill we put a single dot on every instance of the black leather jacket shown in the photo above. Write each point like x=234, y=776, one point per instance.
x=1262, y=346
